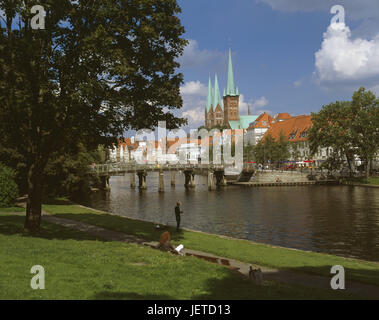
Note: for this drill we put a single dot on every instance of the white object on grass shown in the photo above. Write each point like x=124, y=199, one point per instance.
x=179, y=248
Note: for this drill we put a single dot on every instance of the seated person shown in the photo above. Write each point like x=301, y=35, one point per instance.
x=165, y=243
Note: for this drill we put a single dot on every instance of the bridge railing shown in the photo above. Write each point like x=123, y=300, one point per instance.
x=122, y=167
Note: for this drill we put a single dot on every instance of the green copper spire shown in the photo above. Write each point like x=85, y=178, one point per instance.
x=230, y=87
x=210, y=95
x=216, y=95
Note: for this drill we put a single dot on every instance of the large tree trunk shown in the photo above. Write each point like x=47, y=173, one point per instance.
x=34, y=202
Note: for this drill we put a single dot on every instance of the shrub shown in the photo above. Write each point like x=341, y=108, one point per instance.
x=8, y=186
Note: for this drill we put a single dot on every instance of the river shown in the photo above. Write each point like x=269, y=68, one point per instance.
x=341, y=220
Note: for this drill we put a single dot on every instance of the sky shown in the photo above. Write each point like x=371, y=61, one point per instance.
x=288, y=56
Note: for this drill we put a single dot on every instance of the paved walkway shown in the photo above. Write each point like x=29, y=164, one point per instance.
x=293, y=278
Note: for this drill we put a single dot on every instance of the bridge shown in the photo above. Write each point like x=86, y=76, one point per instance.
x=214, y=171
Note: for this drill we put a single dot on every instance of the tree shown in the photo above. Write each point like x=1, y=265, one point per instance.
x=248, y=152
x=365, y=126
x=349, y=128
x=331, y=128
x=71, y=170
x=98, y=69
x=266, y=151
x=283, y=152
x=8, y=187
x=295, y=152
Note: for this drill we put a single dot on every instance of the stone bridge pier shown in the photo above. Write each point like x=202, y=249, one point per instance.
x=105, y=182
x=132, y=180
x=189, y=178
x=161, y=181
x=220, y=177
x=142, y=179
x=173, y=178
x=211, y=182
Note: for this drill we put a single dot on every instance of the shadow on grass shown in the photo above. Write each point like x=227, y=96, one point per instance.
x=107, y=295
x=141, y=229
x=233, y=286
x=14, y=225
x=236, y=287
x=59, y=201
x=148, y=232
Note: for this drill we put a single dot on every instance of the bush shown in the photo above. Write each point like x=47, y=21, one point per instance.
x=8, y=186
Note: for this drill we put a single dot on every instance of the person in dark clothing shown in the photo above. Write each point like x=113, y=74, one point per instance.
x=178, y=212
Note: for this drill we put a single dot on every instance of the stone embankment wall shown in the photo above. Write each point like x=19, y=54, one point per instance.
x=285, y=176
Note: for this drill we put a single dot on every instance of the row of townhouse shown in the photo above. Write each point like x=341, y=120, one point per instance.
x=295, y=130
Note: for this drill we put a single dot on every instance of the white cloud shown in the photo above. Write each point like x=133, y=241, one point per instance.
x=194, y=88
x=194, y=100
x=194, y=116
x=343, y=59
x=195, y=57
x=255, y=105
x=260, y=103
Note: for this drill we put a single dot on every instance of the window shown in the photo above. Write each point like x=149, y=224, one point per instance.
x=264, y=123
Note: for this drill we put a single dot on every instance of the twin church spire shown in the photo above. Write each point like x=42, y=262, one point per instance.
x=214, y=97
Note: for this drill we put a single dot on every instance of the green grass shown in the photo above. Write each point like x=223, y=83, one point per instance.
x=79, y=266
x=246, y=251
x=371, y=180
x=12, y=209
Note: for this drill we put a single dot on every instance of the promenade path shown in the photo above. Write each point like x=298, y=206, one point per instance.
x=293, y=278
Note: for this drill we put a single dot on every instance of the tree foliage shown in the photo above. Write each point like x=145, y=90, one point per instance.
x=98, y=69
x=349, y=128
x=8, y=187
x=268, y=150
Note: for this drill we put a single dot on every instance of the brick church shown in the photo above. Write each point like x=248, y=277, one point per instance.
x=225, y=112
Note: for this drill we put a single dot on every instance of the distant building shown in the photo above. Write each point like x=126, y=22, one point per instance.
x=295, y=130
x=225, y=112
x=282, y=117
x=258, y=128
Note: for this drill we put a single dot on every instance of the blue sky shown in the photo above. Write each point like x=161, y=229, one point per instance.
x=274, y=45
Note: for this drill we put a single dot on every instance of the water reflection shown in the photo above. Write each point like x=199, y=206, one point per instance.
x=333, y=219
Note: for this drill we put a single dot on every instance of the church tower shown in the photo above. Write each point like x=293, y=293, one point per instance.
x=218, y=112
x=209, y=106
x=231, y=96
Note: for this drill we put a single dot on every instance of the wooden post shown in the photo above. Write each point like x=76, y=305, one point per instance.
x=192, y=180
x=161, y=181
x=173, y=178
x=142, y=179
x=132, y=180
x=211, y=184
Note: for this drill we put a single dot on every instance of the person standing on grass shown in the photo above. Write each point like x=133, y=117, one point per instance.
x=178, y=212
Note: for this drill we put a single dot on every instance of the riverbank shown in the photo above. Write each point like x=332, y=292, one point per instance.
x=242, y=250
x=79, y=265
x=372, y=182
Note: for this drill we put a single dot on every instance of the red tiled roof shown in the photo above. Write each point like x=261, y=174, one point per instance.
x=292, y=129
x=283, y=116
x=263, y=121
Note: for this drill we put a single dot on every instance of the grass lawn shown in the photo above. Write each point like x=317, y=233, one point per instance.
x=371, y=180
x=79, y=266
x=246, y=251
x=12, y=209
